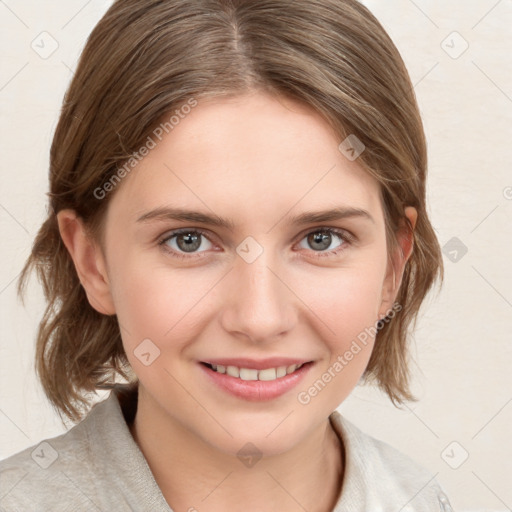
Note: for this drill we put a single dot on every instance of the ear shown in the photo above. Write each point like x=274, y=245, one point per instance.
x=88, y=259
x=397, y=261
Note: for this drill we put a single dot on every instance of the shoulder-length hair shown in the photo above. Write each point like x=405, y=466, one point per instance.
x=145, y=60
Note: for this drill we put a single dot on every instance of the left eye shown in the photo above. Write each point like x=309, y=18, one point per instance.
x=321, y=239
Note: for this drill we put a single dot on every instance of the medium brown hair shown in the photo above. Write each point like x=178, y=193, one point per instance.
x=145, y=59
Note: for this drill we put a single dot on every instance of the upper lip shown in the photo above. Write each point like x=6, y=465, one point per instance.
x=257, y=364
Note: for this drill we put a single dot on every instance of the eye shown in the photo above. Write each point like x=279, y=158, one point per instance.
x=185, y=241
x=322, y=238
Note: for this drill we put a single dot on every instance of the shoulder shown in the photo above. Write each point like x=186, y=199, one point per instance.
x=96, y=465
x=53, y=474
x=380, y=477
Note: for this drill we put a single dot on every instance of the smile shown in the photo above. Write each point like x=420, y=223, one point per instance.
x=256, y=380
x=253, y=374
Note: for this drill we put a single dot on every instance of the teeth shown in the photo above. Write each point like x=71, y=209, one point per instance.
x=268, y=374
x=233, y=371
x=246, y=374
x=291, y=368
x=281, y=371
x=251, y=374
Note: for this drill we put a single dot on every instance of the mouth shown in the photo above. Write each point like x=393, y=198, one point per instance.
x=254, y=380
x=265, y=374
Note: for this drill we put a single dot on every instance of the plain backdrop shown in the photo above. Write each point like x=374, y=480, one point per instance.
x=459, y=57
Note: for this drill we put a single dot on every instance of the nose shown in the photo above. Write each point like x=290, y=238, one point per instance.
x=259, y=304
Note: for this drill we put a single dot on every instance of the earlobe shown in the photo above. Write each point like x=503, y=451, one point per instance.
x=88, y=260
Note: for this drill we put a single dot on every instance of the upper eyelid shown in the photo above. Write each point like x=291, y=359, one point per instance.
x=181, y=231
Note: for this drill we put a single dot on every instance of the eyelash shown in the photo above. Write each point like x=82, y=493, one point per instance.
x=345, y=236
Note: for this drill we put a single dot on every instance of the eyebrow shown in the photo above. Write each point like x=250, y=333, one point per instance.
x=182, y=214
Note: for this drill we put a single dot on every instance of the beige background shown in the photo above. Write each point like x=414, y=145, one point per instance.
x=462, y=345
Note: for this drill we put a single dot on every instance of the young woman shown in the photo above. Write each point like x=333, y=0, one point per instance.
x=238, y=230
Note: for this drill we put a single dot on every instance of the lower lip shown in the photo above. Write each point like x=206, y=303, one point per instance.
x=257, y=390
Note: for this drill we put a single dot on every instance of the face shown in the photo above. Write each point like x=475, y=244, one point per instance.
x=264, y=290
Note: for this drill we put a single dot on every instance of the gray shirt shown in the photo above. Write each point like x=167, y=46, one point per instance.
x=97, y=466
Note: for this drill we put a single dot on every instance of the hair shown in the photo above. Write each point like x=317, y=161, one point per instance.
x=147, y=58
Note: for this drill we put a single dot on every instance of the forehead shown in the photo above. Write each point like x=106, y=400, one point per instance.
x=244, y=157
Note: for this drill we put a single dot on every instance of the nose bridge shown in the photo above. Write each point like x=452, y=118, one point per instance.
x=261, y=306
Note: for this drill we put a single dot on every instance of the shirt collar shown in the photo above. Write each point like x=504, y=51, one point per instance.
x=117, y=450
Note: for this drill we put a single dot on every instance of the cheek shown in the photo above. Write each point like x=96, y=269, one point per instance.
x=344, y=306
x=346, y=300
x=158, y=302
x=161, y=314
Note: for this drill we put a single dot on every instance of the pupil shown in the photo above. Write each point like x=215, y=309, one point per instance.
x=191, y=244
x=321, y=238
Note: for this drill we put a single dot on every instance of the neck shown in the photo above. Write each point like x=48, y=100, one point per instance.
x=195, y=475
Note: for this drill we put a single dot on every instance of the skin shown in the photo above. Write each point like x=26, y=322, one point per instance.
x=257, y=160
